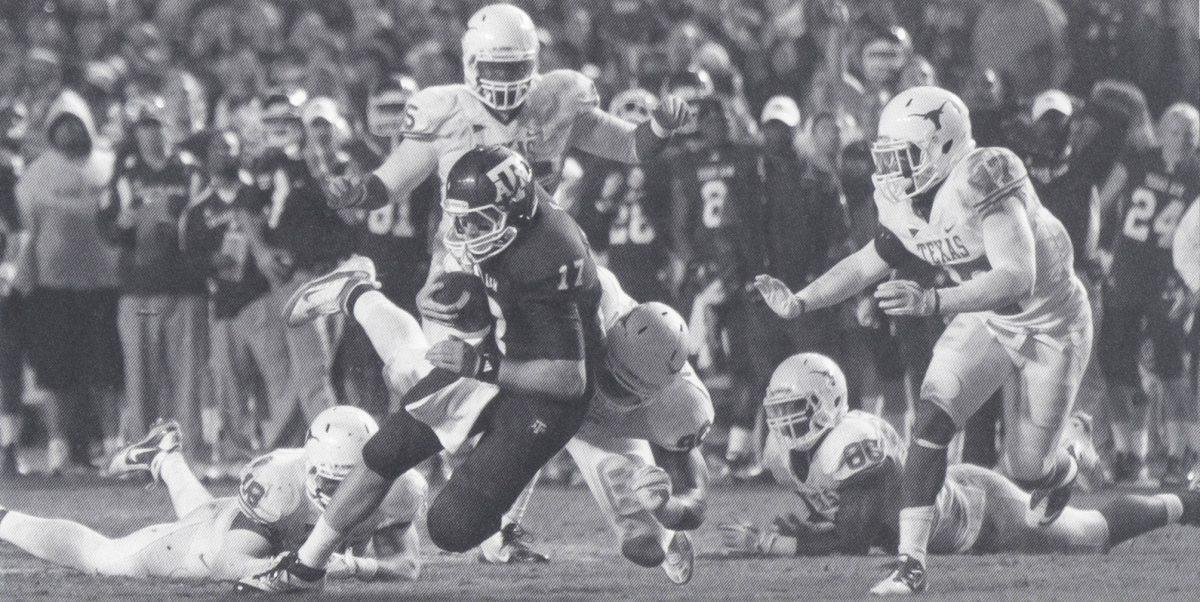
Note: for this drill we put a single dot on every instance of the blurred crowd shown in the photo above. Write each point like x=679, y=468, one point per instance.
x=161, y=169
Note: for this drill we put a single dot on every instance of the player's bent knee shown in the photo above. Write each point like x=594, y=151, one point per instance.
x=643, y=550
x=401, y=443
x=459, y=520
x=933, y=425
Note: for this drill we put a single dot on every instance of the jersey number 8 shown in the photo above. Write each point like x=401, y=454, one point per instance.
x=714, y=193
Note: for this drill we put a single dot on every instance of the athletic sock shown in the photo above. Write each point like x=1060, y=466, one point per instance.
x=320, y=545
x=517, y=511
x=1131, y=515
x=915, y=526
x=359, y=290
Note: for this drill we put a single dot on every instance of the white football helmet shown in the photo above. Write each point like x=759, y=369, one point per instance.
x=633, y=105
x=500, y=55
x=333, y=448
x=805, y=399
x=923, y=132
x=646, y=348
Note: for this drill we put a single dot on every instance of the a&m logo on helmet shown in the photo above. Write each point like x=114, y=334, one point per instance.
x=511, y=176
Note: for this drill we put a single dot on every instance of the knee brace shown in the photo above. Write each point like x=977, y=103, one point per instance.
x=401, y=443
x=462, y=517
x=933, y=427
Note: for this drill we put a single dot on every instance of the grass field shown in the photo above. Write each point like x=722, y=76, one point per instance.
x=1162, y=566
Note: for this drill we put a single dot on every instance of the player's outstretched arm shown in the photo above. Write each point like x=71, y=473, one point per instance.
x=405, y=168
x=244, y=551
x=599, y=133
x=845, y=279
x=1008, y=242
x=676, y=490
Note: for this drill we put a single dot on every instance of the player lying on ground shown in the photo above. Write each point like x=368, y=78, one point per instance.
x=523, y=389
x=281, y=496
x=846, y=467
x=1019, y=312
x=639, y=447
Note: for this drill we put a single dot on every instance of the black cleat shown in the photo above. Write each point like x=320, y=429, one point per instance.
x=517, y=542
x=1046, y=505
x=288, y=576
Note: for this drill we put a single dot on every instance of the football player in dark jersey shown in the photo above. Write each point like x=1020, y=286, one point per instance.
x=717, y=200
x=1154, y=187
x=543, y=293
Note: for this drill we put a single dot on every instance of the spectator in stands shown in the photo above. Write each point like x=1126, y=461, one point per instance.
x=224, y=239
x=303, y=139
x=163, y=312
x=802, y=227
x=71, y=275
x=1025, y=41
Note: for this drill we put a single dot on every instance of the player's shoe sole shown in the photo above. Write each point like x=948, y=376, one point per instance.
x=326, y=295
x=139, y=456
x=906, y=579
x=681, y=559
x=283, y=578
x=1046, y=505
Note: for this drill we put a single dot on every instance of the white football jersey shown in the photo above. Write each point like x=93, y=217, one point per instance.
x=952, y=237
x=678, y=416
x=272, y=494
x=451, y=120
x=860, y=442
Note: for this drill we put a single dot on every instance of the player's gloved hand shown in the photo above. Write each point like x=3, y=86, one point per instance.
x=907, y=298
x=744, y=540
x=652, y=486
x=342, y=192
x=779, y=297
x=791, y=525
x=432, y=309
x=671, y=114
x=455, y=355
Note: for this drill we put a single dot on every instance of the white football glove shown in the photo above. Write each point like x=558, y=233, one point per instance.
x=652, y=486
x=906, y=298
x=744, y=540
x=779, y=297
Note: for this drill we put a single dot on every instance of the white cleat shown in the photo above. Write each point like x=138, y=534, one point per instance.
x=906, y=579
x=680, y=560
x=164, y=437
x=1078, y=442
x=327, y=295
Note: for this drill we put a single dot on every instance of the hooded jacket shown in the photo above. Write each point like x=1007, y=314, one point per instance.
x=58, y=196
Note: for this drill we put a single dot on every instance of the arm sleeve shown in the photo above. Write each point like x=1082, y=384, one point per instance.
x=603, y=135
x=891, y=250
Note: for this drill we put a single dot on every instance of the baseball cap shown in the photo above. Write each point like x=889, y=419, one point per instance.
x=1056, y=100
x=781, y=108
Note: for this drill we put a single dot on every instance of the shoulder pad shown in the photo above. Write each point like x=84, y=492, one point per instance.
x=682, y=414
x=427, y=111
x=991, y=172
x=854, y=446
x=573, y=89
x=272, y=487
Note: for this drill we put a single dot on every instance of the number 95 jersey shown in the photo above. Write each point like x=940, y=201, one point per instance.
x=952, y=238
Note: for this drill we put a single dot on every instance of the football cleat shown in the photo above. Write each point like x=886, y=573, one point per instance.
x=1079, y=443
x=163, y=437
x=1047, y=504
x=288, y=576
x=907, y=578
x=510, y=546
x=328, y=294
x=680, y=559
